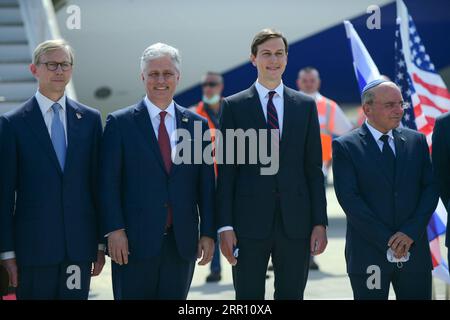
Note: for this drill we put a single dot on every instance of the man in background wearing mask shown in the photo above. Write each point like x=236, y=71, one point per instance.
x=211, y=108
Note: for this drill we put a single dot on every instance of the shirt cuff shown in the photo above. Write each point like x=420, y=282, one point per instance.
x=7, y=255
x=226, y=228
x=101, y=247
x=107, y=235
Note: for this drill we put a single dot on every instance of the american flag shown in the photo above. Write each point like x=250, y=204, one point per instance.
x=423, y=87
x=419, y=83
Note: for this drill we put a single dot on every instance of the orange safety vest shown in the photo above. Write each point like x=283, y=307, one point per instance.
x=326, y=109
x=200, y=109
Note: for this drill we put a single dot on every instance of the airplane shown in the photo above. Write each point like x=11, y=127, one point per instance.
x=216, y=36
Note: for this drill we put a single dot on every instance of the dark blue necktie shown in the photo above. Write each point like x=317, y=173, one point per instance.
x=388, y=156
x=272, y=115
x=273, y=125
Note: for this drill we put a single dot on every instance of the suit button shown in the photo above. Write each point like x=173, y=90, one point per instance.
x=166, y=205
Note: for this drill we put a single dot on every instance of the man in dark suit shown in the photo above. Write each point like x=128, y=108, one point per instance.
x=441, y=164
x=49, y=234
x=151, y=201
x=384, y=182
x=271, y=213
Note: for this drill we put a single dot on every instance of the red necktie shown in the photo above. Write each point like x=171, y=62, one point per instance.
x=165, y=149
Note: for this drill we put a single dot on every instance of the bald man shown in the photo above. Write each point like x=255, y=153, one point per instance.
x=384, y=183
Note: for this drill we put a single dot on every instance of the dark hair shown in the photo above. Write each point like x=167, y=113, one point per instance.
x=263, y=36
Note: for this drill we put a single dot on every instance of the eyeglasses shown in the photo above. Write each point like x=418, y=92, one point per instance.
x=210, y=84
x=392, y=105
x=53, y=66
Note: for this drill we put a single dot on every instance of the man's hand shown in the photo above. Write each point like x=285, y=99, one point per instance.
x=318, y=240
x=118, y=247
x=205, y=250
x=11, y=266
x=97, y=266
x=227, y=242
x=400, y=243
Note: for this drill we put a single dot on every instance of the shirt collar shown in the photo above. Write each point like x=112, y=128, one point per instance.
x=263, y=92
x=45, y=103
x=377, y=134
x=154, y=111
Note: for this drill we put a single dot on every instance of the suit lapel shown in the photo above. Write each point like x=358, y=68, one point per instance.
x=74, y=116
x=375, y=156
x=400, y=153
x=33, y=116
x=255, y=109
x=180, y=117
x=288, y=116
x=144, y=123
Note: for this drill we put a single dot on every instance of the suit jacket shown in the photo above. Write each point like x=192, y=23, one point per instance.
x=247, y=200
x=136, y=190
x=376, y=205
x=47, y=215
x=441, y=162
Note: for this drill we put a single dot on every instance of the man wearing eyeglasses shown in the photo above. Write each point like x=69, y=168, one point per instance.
x=384, y=183
x=49, y=239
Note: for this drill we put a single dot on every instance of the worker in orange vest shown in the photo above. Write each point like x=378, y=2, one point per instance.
x=332, y=119
x=211, y=108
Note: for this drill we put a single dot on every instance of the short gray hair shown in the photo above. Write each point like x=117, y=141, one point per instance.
x=51, y=45
x=159, y=50
x=368, y=97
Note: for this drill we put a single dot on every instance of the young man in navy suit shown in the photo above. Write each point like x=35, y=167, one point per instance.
x=49, y=237
x=281, y=214
x=157, y=211
x=384, y=182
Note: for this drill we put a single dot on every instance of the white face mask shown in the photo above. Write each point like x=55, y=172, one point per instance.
x=213, y=100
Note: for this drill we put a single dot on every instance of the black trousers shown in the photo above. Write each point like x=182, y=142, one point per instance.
x=407, y=286
x=167, y=276
x=290, y=258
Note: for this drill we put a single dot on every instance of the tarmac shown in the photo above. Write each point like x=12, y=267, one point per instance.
x=329, y=283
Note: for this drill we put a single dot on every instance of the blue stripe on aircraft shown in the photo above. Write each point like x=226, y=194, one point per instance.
x=329, y=52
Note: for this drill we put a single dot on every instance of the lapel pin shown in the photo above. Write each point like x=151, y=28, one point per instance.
x=78, y=116
x=184, y=119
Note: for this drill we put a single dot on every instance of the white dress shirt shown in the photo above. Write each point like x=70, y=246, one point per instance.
x=170, y=120
x=377, y=135
x=278, y=102
x=45, y=104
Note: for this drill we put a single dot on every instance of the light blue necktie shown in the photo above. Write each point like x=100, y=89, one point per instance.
x=58, y=136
